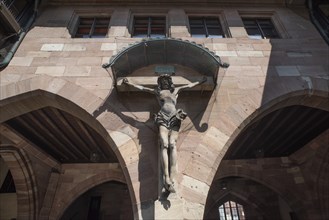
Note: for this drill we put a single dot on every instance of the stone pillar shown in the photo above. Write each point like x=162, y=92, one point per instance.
x=50, y=194
x=235, y=24
x=119, y=23
x=178, y=23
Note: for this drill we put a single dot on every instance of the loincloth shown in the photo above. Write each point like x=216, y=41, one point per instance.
x=171, y=122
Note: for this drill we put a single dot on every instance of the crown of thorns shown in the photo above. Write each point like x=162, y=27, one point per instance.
x=165, y=77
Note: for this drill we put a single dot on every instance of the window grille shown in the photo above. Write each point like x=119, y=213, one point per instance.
x=206, y=27
x=260, y=28
x=92, y=27
x=146, y=26
x=231, y=210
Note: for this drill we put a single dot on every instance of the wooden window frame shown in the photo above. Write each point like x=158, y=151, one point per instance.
x=100, y=13
x=148, y=19
x=93, y=26
x=205, y=26
x=272, y=15
x=258, y=26
x=210, y=13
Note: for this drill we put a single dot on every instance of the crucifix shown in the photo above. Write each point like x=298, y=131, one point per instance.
x=168, y=120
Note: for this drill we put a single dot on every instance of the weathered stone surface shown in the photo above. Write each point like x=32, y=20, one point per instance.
x=264, y=75
x=50, y=70
x=287, y=71
x=52, y=47
x=21, y=61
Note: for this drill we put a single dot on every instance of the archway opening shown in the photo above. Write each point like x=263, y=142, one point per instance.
x=63, y=136
x=240, y=198
x=279, y=133
x=54, y=132
x=8, y=196
x=109, y=200
x=273, y=141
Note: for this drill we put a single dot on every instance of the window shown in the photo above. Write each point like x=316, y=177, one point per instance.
x=231, y=210
x=8, y=185
x=91, y=27
x=260, y=28
x=206, y=27
x=145, y=26
x=14, y=14
x=319, y=14
x=21, y=10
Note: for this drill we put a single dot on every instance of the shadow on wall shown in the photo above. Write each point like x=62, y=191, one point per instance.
x=294, y=111
x=136, y=111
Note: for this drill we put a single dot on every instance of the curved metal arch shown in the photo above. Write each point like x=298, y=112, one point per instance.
x=165, y=51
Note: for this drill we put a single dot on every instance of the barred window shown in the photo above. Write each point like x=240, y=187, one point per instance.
x=146, y=26
x=92, y=27
x=260, y=28
x=231, y=210
x=206, y=27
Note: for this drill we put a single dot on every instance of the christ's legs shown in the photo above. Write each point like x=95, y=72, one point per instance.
x=164, y=133
x=173, y=154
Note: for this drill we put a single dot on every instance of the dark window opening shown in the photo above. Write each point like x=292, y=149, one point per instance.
x=21, y=10
x=92, y=27
x=8, y=185
x=149, y=27
x=319, y=14
x=14, y=16
x=231, y=210
x=206, y=27
x=260, y=28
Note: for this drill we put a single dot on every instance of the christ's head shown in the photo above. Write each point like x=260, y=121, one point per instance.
x=165, y=83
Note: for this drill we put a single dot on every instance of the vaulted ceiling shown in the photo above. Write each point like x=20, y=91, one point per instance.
x=280, y=133
x=63, y=136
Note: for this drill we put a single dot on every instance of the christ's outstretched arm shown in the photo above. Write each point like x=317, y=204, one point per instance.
x=191, y=85
x=139, y=87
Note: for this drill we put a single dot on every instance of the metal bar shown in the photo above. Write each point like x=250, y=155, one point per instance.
x=260, y=29
x=149, y=27
x=205, y=26
x=237, y=210
x=91, y=32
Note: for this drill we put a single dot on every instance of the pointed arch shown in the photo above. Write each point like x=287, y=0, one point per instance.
x=44, y=91
x=23, y=175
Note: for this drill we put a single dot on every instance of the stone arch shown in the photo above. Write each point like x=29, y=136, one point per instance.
x=83, y=187
x=20, y=167
x=48, y=91
x=287, y=195
x=319, y=99
x=45, y=91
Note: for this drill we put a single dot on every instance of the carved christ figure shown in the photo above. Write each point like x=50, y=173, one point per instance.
x=168, y=120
